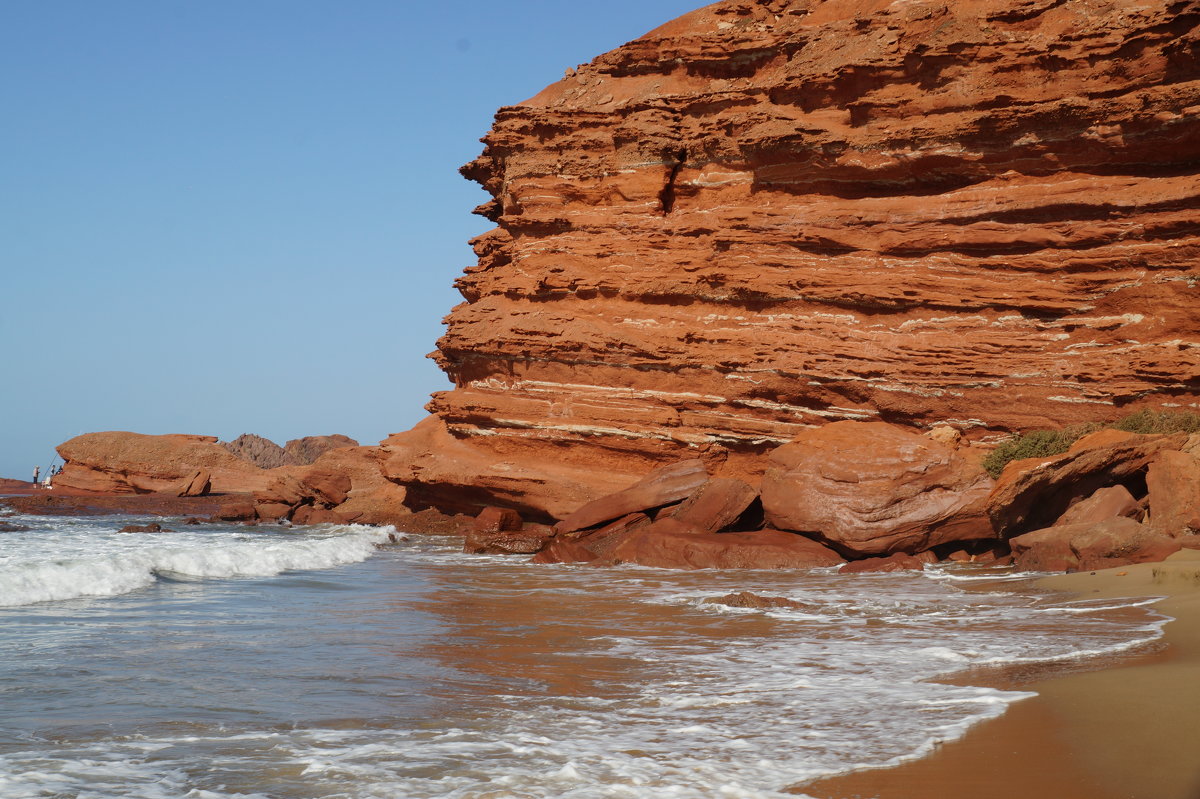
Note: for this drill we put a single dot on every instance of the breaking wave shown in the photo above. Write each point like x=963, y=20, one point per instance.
x=55, y=566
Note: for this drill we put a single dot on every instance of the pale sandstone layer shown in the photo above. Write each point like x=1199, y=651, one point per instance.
x=765, y=216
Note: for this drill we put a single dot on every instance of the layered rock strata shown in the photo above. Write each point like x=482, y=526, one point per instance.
x=769, y=215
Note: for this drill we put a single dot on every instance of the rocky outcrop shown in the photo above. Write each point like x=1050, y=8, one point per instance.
x=132, y=463
x=192, y=466
x=769, y=215
x=768, y=235
x=748, y=599
x=1036, y=492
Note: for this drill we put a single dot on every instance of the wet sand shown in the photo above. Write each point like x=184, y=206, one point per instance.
x=1128, y=731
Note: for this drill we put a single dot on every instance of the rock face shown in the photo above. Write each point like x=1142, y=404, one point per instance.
x=767, y=215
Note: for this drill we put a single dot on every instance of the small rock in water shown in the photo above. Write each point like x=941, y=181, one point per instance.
x=746, y=599
x=153, y=527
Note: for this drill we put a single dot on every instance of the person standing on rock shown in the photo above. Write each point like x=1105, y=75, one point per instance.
x=37, y=470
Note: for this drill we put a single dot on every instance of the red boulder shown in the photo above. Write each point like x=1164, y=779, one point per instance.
x=1174, y=484
x=872, y=488
x=1105, y=503
x=197, y=484
x=715, y=505
x=496, y=520
x=660, y=487
x=897, y=562
x=1087, y=546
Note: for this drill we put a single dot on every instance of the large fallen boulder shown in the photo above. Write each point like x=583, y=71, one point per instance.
x=585, y=546
x=662, y=486
x=715, y=505
x=871, y=488
x=500, y=531
x=1033, y=493
x=1104, y=504
x=197, y=484
x=1091, y=545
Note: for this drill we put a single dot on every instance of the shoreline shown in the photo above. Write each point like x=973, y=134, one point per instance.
x=1125, y=729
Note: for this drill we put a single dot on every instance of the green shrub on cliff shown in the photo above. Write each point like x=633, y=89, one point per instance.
x=1034, y=444
x=1164, y=422
x=1045, y=443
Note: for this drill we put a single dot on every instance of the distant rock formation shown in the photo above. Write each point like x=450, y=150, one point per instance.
x=187, y=465
x=303, y=451
x=262, y=452
x=266, y=454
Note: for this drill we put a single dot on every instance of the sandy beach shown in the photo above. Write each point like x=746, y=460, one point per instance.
x=1128, y=731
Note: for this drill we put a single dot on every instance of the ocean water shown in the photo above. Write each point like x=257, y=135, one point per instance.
x=225, y=661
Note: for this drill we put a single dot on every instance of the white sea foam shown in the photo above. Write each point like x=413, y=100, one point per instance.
x=67, y=561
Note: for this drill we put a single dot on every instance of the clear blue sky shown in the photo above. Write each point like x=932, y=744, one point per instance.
x=228, y=216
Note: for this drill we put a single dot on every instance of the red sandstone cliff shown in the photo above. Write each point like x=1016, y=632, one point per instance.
x=767, y=215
